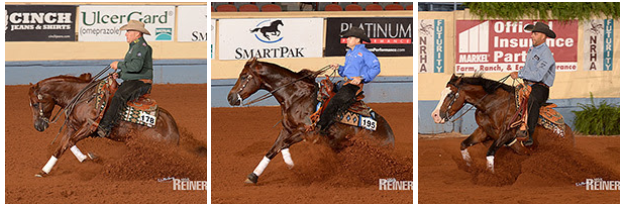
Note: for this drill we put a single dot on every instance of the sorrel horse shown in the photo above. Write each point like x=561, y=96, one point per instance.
x=296, y=93
x=60, y=90
x=495, y=107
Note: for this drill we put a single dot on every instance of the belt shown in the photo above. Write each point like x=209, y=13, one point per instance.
x=531, y=83
x=147, y=81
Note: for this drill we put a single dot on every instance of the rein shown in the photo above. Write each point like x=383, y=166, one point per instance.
x=268, y=95
x=72, y=104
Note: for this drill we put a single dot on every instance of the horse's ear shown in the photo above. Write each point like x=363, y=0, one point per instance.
x=85, y=76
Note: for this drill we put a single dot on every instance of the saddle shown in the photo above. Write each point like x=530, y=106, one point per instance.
x=358, y=114
x=142, y=111
x=548, y=116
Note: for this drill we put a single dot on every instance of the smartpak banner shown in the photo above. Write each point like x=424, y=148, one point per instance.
x=389, y=36
x=102, y=23
x=40, y=23
x=501, y=46
x=213, y=24
x=242, y=39
x=192, y=23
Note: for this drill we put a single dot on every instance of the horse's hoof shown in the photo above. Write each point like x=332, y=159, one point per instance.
x=93, y=156
x=289, y=166
x=41, y=174
x=251, y=179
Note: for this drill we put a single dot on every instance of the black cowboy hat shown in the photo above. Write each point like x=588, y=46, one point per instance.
x=542, y=28
x=356, y=32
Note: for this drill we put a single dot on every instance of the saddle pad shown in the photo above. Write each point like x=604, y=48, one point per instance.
x=141, y=117
x=353, y=119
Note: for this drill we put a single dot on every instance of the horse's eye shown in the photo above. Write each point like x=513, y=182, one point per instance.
x=243, y=77
x=36, y=105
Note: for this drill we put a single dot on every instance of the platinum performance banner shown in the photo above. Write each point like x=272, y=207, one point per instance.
x=389, y=36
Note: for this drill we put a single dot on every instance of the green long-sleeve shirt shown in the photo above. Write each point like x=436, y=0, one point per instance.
x=138, y=61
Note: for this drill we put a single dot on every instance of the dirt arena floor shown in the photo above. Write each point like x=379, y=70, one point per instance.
x=548, y=175
x=126, y=172
x=240, y=137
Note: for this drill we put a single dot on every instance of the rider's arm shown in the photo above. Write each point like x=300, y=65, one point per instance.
x=134, y=62
x=372, y=67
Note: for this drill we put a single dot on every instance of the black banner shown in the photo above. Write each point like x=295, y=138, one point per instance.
x=40, y=23
x=389, y=36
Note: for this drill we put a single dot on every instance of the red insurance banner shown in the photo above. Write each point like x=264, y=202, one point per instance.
x=501, y=46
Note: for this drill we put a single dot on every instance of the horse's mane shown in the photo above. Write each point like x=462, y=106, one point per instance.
x=490, y=86
x=305, y=74
x=86, y=77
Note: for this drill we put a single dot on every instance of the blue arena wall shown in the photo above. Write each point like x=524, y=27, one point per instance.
x=172, y=71
x=467, y=124
x=381, y=90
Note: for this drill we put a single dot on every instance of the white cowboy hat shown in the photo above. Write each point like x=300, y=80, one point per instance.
x=135, y=25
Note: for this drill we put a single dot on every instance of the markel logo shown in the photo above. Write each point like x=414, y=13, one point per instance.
x=474, y=40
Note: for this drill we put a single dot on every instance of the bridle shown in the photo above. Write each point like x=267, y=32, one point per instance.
x=249, y=77
x=453, y=100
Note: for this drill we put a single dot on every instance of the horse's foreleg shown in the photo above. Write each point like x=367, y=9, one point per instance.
x=277, y=145
x=65, y=143
x=477, y=136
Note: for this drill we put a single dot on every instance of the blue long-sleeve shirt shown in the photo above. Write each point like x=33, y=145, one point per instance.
x=360, y=62
x=539, y=65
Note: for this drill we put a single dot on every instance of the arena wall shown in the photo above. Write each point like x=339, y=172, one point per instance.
x=174, y=61
x=569, y=89
x=394, y=84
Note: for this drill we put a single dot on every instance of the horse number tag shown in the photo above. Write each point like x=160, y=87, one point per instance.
x=149, y=120
x=368, y=123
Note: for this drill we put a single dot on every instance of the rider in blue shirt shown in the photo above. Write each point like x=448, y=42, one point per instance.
x=539, y=72
x=361, y=66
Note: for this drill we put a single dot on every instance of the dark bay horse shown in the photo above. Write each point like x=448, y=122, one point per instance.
x=296, y=93
x=495, y=106
x=60, y=90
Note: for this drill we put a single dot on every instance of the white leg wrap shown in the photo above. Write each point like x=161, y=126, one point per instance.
x=81, y=157
x=261, y=166
x=49, y=165
x=466, y=156
x=490, y=163
x=286, y=155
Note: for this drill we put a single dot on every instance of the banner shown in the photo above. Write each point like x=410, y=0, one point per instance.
x=598, y=44
x=102, y=23
x=242, y=39
x=40, y=23
x=192, y=23
x=213, y=24
x=389, y=36
x=432, y=46
x=501, y=46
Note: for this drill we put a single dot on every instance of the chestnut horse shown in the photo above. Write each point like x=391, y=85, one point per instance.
x=495, y=107
x=296, y=93
x=61, y=90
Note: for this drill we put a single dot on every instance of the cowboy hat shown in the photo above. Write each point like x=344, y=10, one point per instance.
x=356, y=32
x=542, y=28
x=135, y=25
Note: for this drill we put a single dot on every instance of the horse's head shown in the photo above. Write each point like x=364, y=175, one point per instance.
x=248, y=83
x=451, y=101
x=278, y=22
x=41, y=105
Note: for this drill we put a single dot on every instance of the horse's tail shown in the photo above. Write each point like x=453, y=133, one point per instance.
x=254, y=30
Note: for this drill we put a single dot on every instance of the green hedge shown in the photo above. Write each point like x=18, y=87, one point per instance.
x=598, y=120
